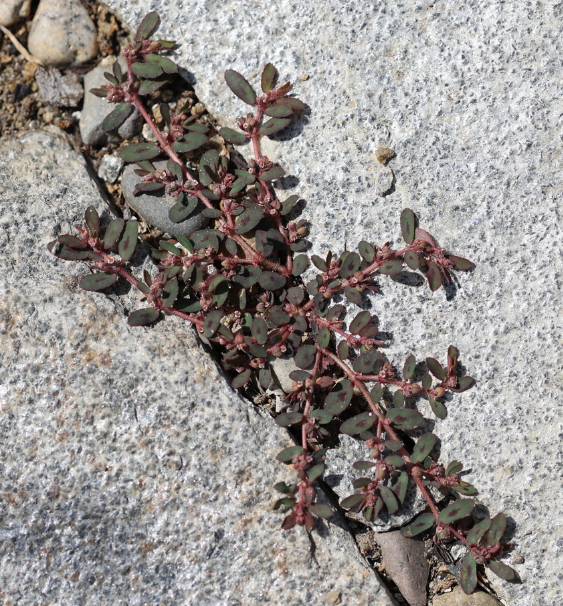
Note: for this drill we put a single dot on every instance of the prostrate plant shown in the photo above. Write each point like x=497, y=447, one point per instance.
x=238, y=282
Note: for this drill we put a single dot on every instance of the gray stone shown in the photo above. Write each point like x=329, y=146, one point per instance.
x=155, y=209
x=131, y=473
x=110, y=168
x=62, y=33
x=405, y=562
x=340, y=475
x=96, y=109
x=458, y=598
x=58, y=89
x=468, y=95
x=12, y=11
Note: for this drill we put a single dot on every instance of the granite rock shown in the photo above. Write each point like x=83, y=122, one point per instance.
x=468, y=95
x=458, y=598
x=155, y=209
x=12, y=11
x=62, y=33
x=131, y=473
x=96, y=109
x=58, y=89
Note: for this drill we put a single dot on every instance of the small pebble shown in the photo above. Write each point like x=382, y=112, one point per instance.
x=48, y=117
x=62, y=33
x=58, y=89
x=332, y=597
x=384, y=154
x=517, y=558
x=148, y=134
x=384, y=181
x=11, y=11
x=304, y=77
x=458, y=598
x=110, y=167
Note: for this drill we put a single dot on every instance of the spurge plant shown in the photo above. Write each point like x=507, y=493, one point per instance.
x=240, y=283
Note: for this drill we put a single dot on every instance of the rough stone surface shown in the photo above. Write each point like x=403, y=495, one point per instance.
x=340, y=475
x=155, y=209
x=62, y=33
x=110, y=167
x=96, y=109
x=11, y=11
x=468, y=95
x=458, y=598
x=58, y=89
x=131, y=473
x=405, y=562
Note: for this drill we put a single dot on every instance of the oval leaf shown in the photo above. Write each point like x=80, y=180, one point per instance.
x=271, y=280
x=279, y=111
x=411, y=259
x=305, y=356
x=285, y=419
x=352, y=501
x=389, y=498
x=456, y=510
x=468, y=575
x=233, y=136
x=351, y=265
x=146, y=70
x=361, y=320
x=268, y=77
x=436, y=368
x=339, y=398
x=408, y=225
x=502, y=570
x=321, y=510
x=391, y=267
x=274, y=125
x=143, y=316
x=300, y=264
x=242, y=379
x=357, y=424
x=409, y=368
x=113, y=232
x=140, y=151
x=190, y=142
x=422, y=523
x=434, y=276
x=211, y=323
x=117, y=117
x=128, y=240
x=405, y=418
x=248, y=220
x=423, y=447
x=98, y=281
x=148, y=26
x=240, y=86
x=287, y=454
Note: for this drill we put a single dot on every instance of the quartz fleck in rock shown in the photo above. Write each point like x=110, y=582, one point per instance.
x=97, y=108
x=12, y=11
x=62, y=33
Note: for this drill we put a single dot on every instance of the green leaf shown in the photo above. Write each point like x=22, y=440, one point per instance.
x=268, y=77
x=197, y=128
x=117, y=117
x=287, y=502
x=277, y=172
x=463, y=384
x=149, y=187
x=453, y=468
x=128, y=240
x=284, y=488
x=361, y=320
x=434, y=276
x=315, y=472
x=422, y=523
x=436, y=368
x=265, y=377
x=468, y=576
x=319, y=263
x=393, y=444
x=394, y=460
x=456, y=510
x=476, y=533
x=150, y=86
x=249, y=220
x=233, y=136
x=343, y=350
x=321, y=510
x=411, y=259
x=249, y=277
x=64, y=252
x=339, y=398
x=165, y=64
x=400, y=486
x=408, y=225
x=465, y=489
x=72, y=242
x=141, y=317
x=240, y=87
x=423, y=447
x=305, y=356
x=92, y=220
x=391, y=267
x=352, y=501
x=502, y=570
x=460, y=263
x=170, y=291
x=409, y=368
x=279, y=111
x=405, y=418
x=242, y=379
x=357, y=424
x=367, y=251
x=147, y=26
x=285, y=419
x=259, y=330
x=295, y=104
x=288, y=205
x=146, y=70
x=113, y=232
x=300, y=264
x=389, y=498
x=295, y=295
x=438, y=408
x=427, y=381
x=323, y=337
x=98, y=281
x=377, y=392
x=363, y=465
x=99, y=92
x=496, y=530
x=206, y=238
x=277, y=316
x=274, y=125
x=286, y=455
x=179, y=212
x=322, y=416
x=190, y=142
x=351, y=265
x=271, y=280
x=140, y=151
x=212, y=321
x=369, y=362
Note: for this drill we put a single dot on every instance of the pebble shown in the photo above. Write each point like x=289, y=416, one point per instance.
x=97, y=108
x=458, y=598
x=110, y=167
x=384, y=180
x=332, y=597
x=154, y=209
x=11, y=11
x=58, y=89
x=384, y=154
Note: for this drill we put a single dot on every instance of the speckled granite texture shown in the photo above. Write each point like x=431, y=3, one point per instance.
x=130, y=473
x=469, y=95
